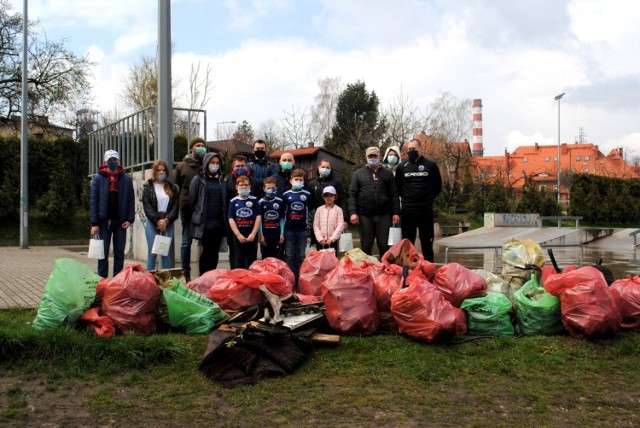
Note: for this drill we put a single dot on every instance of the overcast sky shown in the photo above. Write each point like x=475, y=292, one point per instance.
x=267, y=56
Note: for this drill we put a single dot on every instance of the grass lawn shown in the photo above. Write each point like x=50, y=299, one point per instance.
x=71, y=378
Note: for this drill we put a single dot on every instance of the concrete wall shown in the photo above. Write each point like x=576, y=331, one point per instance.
x=511, y=220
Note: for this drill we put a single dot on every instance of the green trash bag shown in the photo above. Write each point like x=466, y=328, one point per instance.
x=489, y=315
x=538, y=312
x=191, y=311
x=69, y=292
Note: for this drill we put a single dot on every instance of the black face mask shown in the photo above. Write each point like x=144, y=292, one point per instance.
x=259, y=154
x=413, y=155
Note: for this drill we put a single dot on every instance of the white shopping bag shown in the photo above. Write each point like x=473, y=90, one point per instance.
x=161, y=245
x=346, y=242
x=395, y=235
x=96, y=248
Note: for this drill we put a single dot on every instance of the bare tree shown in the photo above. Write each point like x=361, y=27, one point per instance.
x=404, y=121
x=141, y=85
x=323, y=113
x=271, y=133
x=296, y=129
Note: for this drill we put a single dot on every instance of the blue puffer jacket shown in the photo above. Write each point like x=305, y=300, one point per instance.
x=99, y=200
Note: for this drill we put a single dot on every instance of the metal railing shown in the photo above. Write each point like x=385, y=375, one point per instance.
x=560, y=218
x=498, y=249
x=134, y=137
x=634, y=234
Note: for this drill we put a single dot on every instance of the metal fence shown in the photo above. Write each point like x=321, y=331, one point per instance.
x=134, y=137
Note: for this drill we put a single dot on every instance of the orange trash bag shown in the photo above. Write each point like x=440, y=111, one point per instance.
x=626, y=293
x=423, y=313
x=231, y=293
x=349, y=300
x=274, y=265
x=458, y=283
x=131, y=300
x=313, y=271
x=587, y=305
x=101, y=324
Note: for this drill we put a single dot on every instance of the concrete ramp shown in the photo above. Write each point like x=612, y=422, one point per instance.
x=496, y=236
x=618, y=241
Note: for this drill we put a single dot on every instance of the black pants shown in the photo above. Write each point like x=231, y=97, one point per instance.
x=211, y=239
x=421, y=220
x=244, y=254
x=272, y=249
x=374, y=227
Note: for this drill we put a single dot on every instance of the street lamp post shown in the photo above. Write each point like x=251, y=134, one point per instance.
x=557, y=98
x=218, y=127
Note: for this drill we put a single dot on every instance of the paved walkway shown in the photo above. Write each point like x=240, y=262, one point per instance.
x=24, y=273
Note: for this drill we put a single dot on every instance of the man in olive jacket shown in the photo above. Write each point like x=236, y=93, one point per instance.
x=373, y=202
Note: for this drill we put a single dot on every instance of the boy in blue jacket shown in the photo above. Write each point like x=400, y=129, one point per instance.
x=272, y=227
x=298, y=202
x=244, y=221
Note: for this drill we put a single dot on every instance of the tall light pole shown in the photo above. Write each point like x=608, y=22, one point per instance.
x=218, y=127
x=557, y=98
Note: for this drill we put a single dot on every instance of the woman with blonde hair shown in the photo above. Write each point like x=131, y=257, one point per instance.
x=160, y=200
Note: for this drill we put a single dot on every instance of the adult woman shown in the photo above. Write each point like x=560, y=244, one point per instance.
x=160, y=201
x=207, y=200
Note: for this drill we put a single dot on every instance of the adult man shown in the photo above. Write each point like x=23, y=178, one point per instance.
x=374, y=202
x=283, y=177
x=261, y=167
x=419, y=183
x=112, y=210
x=184, y=173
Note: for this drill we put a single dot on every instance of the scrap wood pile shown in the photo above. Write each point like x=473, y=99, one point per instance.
x=262, y=326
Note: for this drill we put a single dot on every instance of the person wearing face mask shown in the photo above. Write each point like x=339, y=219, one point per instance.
x=183, y=175
x=419, y=183
x=160, y=201
x=285, y=168
x=111, y=210
x=373, y=202
x=261, y=167
x=272, y=226
x=326, y=177
x=391, y=158
x=207, y=202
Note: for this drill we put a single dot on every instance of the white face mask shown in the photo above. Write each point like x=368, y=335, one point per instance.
x=213, y=168
x=324, y=172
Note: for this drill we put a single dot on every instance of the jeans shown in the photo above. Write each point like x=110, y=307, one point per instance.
x=185, y=248
x=166, y=262
x=422, y=220
x=375, y=227
x=295, y=244
x=110, y=230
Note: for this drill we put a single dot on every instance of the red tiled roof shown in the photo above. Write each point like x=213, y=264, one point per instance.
x=296, y=152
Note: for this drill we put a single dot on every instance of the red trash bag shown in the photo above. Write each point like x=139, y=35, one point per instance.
x=427, y=269
x=385, y=285
x=274, y=265
x=403, y=253
x=204, y=282
x=349, y=300
x=373, y=269
x=131, y=300
x=587, y=305
x=274, y=283
x=102, y=325
x=458, y=283
x=313, y=271
x=626, y=293
x=423, y=313
x=231, y=294
x=100, y=287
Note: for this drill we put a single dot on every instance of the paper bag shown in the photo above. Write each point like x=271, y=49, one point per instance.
x=346, y=242
x=161, y=245
x=395, y=235
x=96, y=248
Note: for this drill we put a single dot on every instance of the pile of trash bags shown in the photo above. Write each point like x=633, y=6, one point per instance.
x=400, y=294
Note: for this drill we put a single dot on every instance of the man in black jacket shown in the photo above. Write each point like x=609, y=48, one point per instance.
x=419, y=183
x=373, y=202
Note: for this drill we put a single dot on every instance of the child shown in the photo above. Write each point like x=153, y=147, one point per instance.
x=298, y=202
x=328, y=222
x=244, y=220
x=272, y=227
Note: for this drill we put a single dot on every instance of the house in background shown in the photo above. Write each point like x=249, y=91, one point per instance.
x=40, y=127
x=307, y=159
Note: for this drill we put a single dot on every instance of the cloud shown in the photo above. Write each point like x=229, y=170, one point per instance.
x=618, y=93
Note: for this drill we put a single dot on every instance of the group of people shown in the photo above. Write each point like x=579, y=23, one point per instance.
x=265, y=203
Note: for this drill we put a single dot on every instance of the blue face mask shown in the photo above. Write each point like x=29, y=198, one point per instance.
x=297, y=185
x=286, y=166
x=241, y=171
x=112, y=166
x=271, y=193
x=324, y=172
x=161, y=177
x=200, y=150
x=392, y=159
x=373, y=161
x=244, y=192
